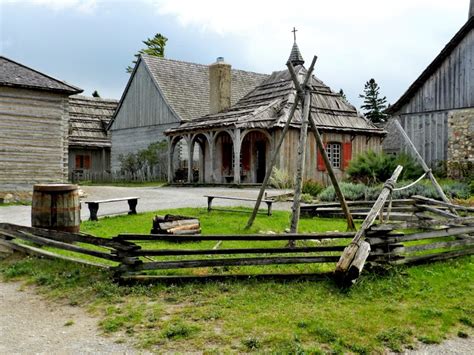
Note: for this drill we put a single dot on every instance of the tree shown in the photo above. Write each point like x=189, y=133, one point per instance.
x=374, y=105
x=95, y=94
x=155, y=47
x=343, y=95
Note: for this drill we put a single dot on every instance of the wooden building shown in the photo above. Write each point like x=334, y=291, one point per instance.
x=34, y=116
x=160, y=94
x=437, y=110
x=235, y=141
x=89, y=140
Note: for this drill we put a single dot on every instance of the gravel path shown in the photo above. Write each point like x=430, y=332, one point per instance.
x=151, y=199
x=31, y=325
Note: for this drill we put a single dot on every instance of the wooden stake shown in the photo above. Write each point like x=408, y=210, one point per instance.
x=349, y=255
x=423, y=165
x=277, y=149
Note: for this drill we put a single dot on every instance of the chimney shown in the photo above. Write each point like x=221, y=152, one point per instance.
x=219, y=86
x=471, y=10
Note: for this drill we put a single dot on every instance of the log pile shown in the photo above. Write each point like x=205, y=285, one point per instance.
x=176, y=225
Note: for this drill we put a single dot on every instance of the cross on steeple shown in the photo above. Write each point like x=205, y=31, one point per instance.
x=294, y=34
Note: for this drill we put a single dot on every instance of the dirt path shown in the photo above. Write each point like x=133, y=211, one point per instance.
x=31, y=325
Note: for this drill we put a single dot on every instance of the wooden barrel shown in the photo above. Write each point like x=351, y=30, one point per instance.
x=56, y=206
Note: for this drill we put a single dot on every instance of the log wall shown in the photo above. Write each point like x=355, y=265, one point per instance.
x=33, y=144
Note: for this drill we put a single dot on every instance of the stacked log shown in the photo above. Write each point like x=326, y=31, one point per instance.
x=176, y=225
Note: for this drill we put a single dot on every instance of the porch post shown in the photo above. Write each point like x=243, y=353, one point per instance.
x=190, y=158
x=170, y=159
x=212, y=155
x=237, y=145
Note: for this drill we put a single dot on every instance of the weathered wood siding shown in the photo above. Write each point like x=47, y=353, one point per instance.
x=33, y=144
x=142, y=118
x=424, y=116
x=100, y=159
x=287, y=161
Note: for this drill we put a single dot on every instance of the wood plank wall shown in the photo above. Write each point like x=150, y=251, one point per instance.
x=33, y=131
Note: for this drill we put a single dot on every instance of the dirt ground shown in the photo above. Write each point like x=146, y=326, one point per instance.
x=31, y=325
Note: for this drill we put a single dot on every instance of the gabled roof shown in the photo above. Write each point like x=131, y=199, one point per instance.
x=268, y=106
x=18, y=75
x=185, y=86
x=433, y=67
x=88, y=119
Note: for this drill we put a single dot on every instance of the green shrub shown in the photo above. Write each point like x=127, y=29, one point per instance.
x=312, y=187
x=280, y=179
x=457, y=190
x=306, y=198
x=352, y=192
x=372, y=168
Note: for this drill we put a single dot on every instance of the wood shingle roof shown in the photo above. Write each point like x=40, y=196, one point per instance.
x=88, y=119
x=185, y=85
x=268, y=106
x=18, y=75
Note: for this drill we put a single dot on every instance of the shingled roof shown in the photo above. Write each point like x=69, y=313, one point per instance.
x=185, y=86
x=434, y=65
x=18, y=75
x=88, y=119
x=268, y=106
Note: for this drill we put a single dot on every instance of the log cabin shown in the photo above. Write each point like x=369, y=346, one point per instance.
x=34, y=123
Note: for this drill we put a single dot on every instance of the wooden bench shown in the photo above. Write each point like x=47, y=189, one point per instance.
x=94, y=205
x=210, y=198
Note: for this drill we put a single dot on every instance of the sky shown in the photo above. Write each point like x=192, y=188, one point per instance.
x=89, y=43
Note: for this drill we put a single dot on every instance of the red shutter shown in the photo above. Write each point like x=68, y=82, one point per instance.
x=87, y=162
x=320, y=160
x=346, y=154
x=78, y=162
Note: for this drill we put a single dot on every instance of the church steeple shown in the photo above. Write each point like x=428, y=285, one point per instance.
x=295, y=55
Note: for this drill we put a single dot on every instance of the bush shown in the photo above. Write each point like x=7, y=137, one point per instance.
x=306, y=198
x=352, y=192
x=280, y=179
x=372, y=168
x=312, y=187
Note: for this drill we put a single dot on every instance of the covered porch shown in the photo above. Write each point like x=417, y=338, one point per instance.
x=222, y=156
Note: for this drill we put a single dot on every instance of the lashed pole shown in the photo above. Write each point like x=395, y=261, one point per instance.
x=332, y=176
x=425, y=167
x=278, y=146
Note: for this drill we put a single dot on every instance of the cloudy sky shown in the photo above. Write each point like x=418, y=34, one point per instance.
x=89, y=43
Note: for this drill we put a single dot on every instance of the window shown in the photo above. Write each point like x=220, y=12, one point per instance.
x=334, y=154
x=83, y=161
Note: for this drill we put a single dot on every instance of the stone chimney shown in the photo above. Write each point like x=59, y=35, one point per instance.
x=219, y=86
x=471, y=9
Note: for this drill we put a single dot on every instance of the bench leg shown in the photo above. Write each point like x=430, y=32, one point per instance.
x=209, y=203
x=269, y=204
x=93, y=209
x=132, y=204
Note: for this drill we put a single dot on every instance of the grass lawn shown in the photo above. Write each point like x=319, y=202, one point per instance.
x=424, y=303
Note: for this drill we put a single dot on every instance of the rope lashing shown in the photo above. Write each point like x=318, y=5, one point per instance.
x=413, y=183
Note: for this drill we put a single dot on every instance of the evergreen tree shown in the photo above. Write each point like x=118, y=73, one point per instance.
x=374, y=105
x=95, y=94
x=154, y=46
x=343, y=95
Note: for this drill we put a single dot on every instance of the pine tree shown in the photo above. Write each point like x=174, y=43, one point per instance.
x=374, y=105
x=95, y=94
x=343, y=95
x=155, y=47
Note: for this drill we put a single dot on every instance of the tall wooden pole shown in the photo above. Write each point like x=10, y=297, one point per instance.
x=300, y=165
x=425, y=167
x=332, y=176
x=277, y=148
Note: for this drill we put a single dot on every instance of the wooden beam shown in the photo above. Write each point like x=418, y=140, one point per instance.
x=276, y=152
x=347, y=258
x=425, y=167
x=442, y=203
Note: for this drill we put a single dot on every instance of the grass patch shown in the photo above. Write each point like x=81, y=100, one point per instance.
x=426, y=303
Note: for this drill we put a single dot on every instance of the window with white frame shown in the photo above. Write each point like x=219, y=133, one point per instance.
x=334, y=154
